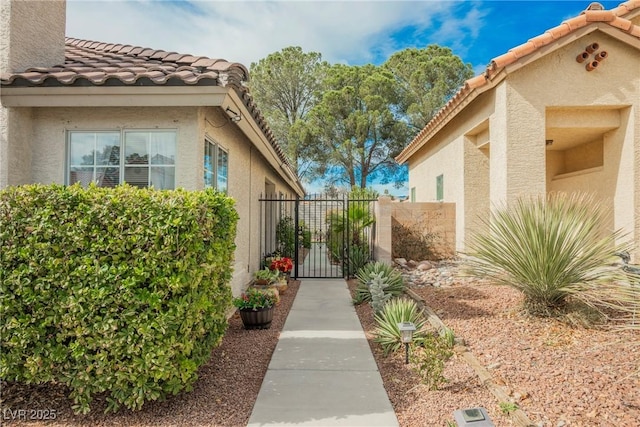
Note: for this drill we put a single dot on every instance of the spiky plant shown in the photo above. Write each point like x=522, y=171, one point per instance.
x=378, y=297
x=359, y=256
x=393, y=279
x=547, y=248
x=398, y=310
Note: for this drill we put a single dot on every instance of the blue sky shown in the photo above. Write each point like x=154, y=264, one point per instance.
x=351, y=32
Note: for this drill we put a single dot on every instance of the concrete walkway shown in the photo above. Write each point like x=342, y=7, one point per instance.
x=322, y=372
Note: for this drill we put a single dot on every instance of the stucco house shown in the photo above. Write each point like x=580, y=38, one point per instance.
x=559, y=113
x=75, y=110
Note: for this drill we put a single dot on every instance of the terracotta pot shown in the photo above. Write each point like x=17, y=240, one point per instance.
x=256, y=319
x=282, y=286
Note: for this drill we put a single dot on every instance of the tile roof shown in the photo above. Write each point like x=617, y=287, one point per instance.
x=92, y=63
x=479, y=83
x=95, y=63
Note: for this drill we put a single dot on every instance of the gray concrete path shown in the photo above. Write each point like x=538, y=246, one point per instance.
x=322, y=372
x=318, y=264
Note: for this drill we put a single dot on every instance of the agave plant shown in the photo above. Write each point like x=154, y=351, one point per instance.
x=392, y=277
x=398, y=310
x=548, y=249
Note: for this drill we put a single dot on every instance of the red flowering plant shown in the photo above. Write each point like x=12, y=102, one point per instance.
x=282, y=264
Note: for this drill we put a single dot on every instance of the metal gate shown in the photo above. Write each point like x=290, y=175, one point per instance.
x=326, y=237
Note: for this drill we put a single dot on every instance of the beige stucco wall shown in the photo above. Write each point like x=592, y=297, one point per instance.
x=519, y=163
x=31, y=34
x=248, y=171
x=609, y=87
x=451, y=154
x=51, y=124
x=15, y=158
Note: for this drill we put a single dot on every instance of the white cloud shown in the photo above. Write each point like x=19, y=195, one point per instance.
x=353, y=32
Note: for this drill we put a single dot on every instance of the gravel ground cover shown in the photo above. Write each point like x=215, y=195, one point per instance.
x=559, y=375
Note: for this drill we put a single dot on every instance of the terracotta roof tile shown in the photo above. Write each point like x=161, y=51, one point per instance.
x=559, y=31
x=188, y=59
x=541, y=40
x=614, y=17
x=96, y=63
x=523, y=49
x=577, y=22
x=623, y=24
x=204, y=62
x=476, y=81
x=599, y=15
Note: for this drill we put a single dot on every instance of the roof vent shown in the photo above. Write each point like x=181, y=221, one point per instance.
x=595, y=6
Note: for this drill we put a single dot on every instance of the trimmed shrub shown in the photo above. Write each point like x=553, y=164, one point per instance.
x=121, y=290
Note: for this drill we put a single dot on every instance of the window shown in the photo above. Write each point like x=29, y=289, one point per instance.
x=440, y=187
x=149, y=158
x=413, y=195
x=216, y=167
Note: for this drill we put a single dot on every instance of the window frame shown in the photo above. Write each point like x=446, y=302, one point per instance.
x=215, y=149
x=122, y=164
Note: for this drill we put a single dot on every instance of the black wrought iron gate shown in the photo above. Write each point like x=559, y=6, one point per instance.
x=324, y=236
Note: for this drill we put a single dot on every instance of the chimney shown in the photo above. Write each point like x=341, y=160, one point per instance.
x=31, y=34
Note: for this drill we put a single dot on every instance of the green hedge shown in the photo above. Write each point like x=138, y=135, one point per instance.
x=119, y=290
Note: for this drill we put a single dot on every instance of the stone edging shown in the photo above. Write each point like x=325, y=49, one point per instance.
x=518, y=416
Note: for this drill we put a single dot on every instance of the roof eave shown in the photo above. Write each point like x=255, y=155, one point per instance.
x=113, y=96
x=252, y=129
x=492, y=79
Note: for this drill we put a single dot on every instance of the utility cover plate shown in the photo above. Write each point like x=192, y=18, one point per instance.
x=473, y=417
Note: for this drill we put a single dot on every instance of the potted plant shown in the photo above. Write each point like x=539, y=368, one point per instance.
x=256, y=308
x=282, y=265
x=265, y=276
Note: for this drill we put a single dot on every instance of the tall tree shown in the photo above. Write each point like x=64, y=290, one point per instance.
x=285, y=86
x=352, y=132
x=428, y=78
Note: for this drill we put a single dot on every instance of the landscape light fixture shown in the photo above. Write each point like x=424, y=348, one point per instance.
x=406, y=335
x=235, y=117
x=473, y=417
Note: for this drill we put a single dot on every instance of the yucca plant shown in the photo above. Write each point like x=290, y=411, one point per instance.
x=394, y=282
x=549, y=249
x=398, y=310
x=359, y=256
